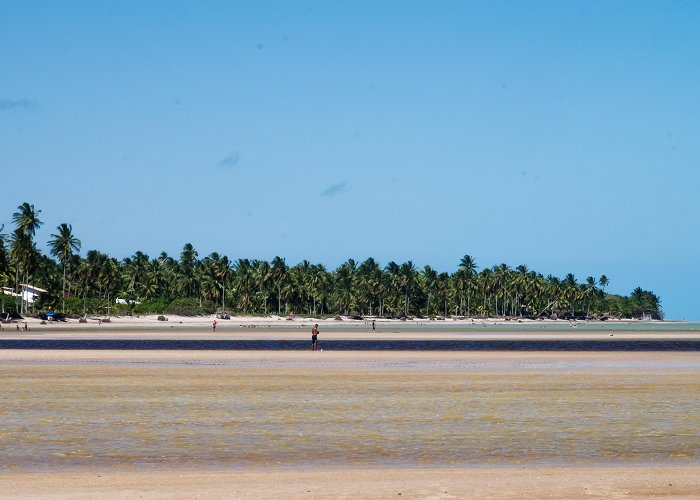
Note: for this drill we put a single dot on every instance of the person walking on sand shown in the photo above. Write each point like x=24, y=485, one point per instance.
x=314, y=337
x=373, y=328
x=213, y=326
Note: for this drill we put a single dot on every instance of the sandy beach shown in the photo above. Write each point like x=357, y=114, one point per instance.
x=344, y=424
x=276, y=328
x=551, y=482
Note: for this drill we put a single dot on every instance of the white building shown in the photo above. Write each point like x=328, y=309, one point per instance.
x=125, y=301
x=30, y=293
x=9, y=291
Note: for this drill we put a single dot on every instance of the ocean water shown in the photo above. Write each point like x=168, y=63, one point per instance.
x=159, y=415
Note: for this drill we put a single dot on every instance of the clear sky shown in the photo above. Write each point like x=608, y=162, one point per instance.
x=560, y=135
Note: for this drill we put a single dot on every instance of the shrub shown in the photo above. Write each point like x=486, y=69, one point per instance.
x=155, y=306
x=184, y=307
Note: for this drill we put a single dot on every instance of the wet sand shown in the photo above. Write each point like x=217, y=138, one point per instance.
x=191, y=329
x=278, y=424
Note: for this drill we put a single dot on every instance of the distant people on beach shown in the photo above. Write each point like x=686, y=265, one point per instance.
x=314, y=337
x=213, y=326
x=373, y=328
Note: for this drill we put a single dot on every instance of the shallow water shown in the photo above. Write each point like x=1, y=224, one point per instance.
x=228, y=417
x=564, y=344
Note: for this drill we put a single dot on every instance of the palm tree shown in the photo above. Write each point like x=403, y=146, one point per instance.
x=187, y=264
x=345, y=285
x=62, y=246
x=318, y=283
x=407, y=278
x=590, y=291
x=261, y=271
x=368, y=277
x=430, y=280
x=4, y=267
x=442, y=287
x=393, y=285
x=571, y=291
x=468, y=267
x=136, y=268
x=222, y=270
x=278, y=272
x=244, y=276
x=26, y=221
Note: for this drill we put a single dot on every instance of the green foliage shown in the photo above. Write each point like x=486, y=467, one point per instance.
x=190, y=285
x=155, y=306
x=207, y=307
x=187, y=306
x=7, y=303
x=77, y=306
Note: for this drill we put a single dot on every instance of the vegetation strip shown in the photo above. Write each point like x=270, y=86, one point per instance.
x=100, y=284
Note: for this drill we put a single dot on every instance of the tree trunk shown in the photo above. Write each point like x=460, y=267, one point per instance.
x=19, y=295
x=63, y=309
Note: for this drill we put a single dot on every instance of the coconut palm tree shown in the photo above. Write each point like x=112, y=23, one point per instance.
x=589, y=292
x=4, y=264
x=430, y=283
x=26, y=221
x=187, y=264
x=63, y=245
x=468, y=267
x=408, y=274
x=393, y=283
x=322, y=283
x=571, y=291
x=345, y=285
x=244, y=278
x=262, y=277
x=278, y=273
x=222, y=270
x=135, y=269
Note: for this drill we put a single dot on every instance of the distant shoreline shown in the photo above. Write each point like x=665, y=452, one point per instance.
x=152, y=319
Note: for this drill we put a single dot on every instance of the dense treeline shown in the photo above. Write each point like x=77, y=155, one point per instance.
x=188, y=284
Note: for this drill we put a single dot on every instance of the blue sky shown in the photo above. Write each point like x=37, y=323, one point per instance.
x=561, y=135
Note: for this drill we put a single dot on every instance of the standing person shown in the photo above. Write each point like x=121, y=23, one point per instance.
x=373, y=329
x=213, y=326
x=314, y=337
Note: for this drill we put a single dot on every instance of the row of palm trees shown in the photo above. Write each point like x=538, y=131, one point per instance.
x=91, y=283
